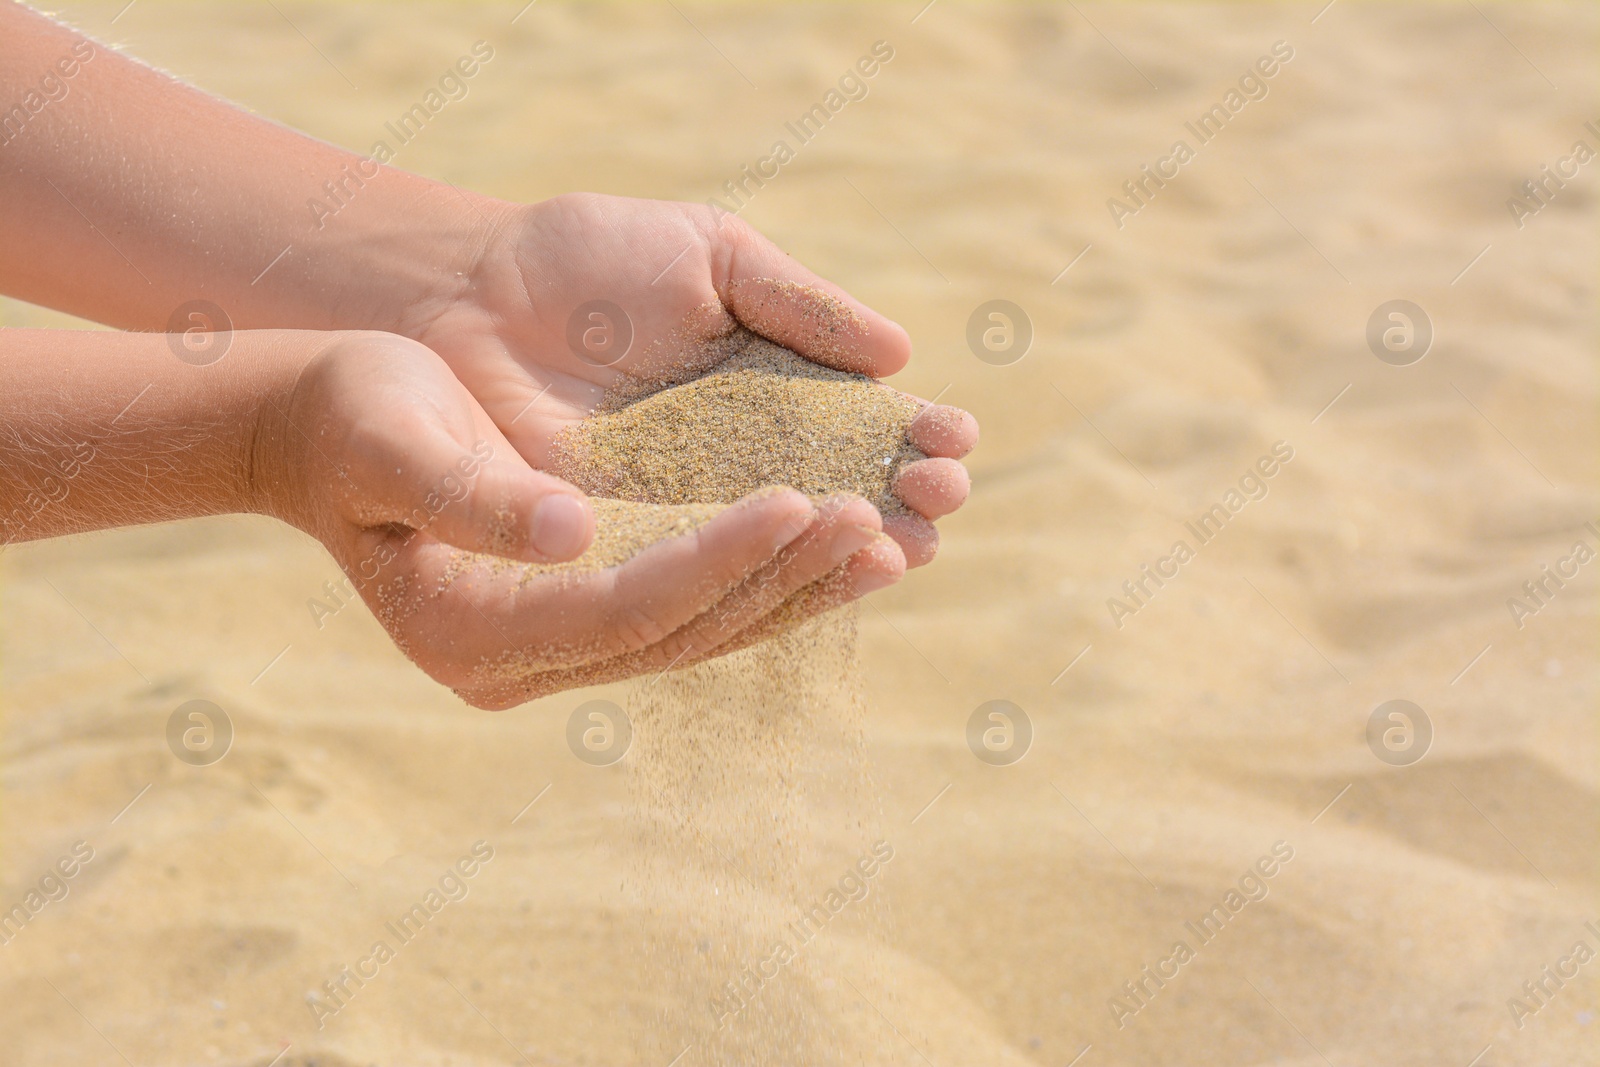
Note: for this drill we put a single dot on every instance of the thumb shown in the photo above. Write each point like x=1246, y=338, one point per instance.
x=486, y=498
x=775, y=296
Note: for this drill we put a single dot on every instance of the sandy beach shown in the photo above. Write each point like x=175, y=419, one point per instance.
x=1207, y=366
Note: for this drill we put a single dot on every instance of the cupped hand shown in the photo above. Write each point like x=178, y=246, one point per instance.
x=384, y=456
x=572, y=295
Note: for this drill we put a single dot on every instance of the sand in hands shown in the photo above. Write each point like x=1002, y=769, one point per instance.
x=660, y=458
x=762, y=417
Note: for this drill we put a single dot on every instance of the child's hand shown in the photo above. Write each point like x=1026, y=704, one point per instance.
x=383, y=456
x=491, y=286
x=679, y=275
x=369, y=443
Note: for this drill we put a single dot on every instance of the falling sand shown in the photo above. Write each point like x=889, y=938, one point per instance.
x=752, y=806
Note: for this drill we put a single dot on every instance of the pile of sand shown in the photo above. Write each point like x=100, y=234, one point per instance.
x=762, y=417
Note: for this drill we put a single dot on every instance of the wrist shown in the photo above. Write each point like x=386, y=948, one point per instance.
x=410, y=252
x=279, y=448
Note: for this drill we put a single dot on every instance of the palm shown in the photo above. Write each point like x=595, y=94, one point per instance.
x=510, y=347
x=679, y=277
x=418, y=497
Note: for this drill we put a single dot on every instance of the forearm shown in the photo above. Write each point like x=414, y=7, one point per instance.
x=125, y=195
x=101, y=429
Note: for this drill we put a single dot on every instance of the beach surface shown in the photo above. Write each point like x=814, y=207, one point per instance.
x=1190, y=732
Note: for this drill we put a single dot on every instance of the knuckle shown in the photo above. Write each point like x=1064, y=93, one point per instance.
x=579, y=200
x=717, y=227
x=674, y=648
x=636, y=628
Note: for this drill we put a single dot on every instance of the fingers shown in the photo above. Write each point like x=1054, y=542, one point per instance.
x=943, y=431
x=659, y=591
x=874, y=567
x=520, y=513
x=398, y=441
x=564, y=621
x=666, y=615
x=933, y=488
x=784, y=302
x=483, y=499
x=499, y=639
x=844, y=529
x=917, y=537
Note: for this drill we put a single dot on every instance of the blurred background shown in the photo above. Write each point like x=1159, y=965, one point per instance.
x=1159, y=347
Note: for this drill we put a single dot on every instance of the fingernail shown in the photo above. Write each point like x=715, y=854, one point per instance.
x=850, y=540
x=560, y=526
